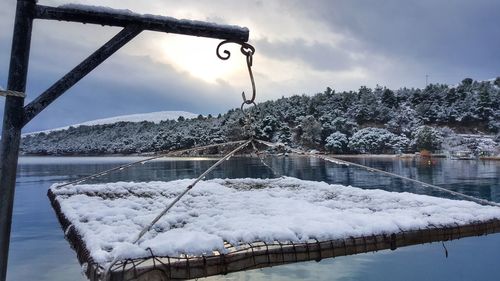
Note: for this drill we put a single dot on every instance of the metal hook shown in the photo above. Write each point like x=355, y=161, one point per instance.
x=247, y=50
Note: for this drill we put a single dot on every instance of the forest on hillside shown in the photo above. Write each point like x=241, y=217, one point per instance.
x=379, y=120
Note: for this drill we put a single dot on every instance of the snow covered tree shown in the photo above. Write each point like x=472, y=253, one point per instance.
x=308, y=132
x=404, y=120
x=494, y=125
x=345, y=126
x=399, y=143
x=426, y=137
x=376, y=140
x=284, y=135
x=336, y=142
x=267, y=127
x=467, y=81
x=389, y=99
x=497, y=138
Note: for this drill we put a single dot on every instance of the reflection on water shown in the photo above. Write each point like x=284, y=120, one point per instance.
x=39, y=252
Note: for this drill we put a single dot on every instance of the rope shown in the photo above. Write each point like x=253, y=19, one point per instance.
x=124, y=166
x=227, y=156
x=257, y=152
x=12, y=93
x=342, y=162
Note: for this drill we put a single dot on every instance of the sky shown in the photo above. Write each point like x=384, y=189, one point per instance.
x=302, y=47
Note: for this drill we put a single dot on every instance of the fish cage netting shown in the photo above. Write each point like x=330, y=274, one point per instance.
x=438, y=220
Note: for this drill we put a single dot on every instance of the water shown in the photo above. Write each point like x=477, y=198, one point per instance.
x=38, y=250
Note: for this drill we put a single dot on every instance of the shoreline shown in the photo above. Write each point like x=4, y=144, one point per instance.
x=340, y=156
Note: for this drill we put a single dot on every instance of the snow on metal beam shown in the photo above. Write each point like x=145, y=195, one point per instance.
x=117, y=17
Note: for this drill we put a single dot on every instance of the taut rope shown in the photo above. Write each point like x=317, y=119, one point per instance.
x=339, y=161
x=7, y=93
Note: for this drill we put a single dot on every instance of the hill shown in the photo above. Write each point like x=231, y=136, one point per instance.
x=379, y=120
x=155, y=117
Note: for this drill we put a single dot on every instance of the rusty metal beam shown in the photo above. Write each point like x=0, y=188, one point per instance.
x=13, y=123
x=76, y=74
x=107, y=16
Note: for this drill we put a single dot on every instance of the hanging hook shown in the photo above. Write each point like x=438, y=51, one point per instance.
x=247, y=50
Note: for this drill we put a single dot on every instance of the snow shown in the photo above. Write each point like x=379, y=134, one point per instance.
x=126, y=12
x=155, y=117
x=109, y=216
x=101, y=9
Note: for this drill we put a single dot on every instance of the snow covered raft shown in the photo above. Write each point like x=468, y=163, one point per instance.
x=228, y=225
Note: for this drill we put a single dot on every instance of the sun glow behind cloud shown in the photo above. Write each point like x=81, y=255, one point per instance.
x=301, y=47
x=197, y=57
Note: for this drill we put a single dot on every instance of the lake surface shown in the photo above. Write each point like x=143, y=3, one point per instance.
x=39, y=251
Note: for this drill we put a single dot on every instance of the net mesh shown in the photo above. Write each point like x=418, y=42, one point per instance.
x=258, y=254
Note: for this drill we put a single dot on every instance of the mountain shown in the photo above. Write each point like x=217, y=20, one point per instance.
x=155, y=117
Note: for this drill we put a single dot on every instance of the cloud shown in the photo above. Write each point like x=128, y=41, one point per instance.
x=319, y=56
x=134, y=80
x=302, y=47
x=123, y=84
x=457, y=34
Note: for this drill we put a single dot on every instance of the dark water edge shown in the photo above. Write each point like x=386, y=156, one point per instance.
x=39, y=252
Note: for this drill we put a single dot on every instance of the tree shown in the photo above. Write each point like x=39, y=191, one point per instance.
x=404, y=120
x=267, y=127
x=336, y=142
x=366, y=109
x=426, y=137
x=389, y=99
x=284, y=135
x=376, y=140
x=467, y=81
x=309, y=131
x=494, y=125
x=329, y=91
x=343, y=125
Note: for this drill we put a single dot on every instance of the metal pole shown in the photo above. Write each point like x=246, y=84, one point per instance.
x=12, y=123
x=80, y=71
